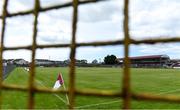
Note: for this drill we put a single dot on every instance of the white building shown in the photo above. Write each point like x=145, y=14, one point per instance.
x=21, y=62
x=43, y=62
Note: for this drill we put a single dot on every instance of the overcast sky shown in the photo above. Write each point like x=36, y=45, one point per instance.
x=97, y=22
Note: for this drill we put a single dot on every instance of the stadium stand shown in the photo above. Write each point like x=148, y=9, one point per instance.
x=151, y=61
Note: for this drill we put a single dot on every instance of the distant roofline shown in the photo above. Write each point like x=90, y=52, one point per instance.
x=176, y=59
x=48, y=60
x=147, y=57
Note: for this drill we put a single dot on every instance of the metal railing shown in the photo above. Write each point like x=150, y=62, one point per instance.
x=126, y=94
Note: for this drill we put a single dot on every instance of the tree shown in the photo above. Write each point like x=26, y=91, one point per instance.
x=110, y=59
x=94, y=61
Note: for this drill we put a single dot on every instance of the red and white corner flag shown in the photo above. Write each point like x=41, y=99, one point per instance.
x=58, y=82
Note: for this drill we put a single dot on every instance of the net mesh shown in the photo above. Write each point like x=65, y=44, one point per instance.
x=126, y=94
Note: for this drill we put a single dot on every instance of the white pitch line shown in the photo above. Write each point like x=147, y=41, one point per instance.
x=169, y=92
x=53, y=94
x=60, y=98
x=165, y=92
x=104, y=103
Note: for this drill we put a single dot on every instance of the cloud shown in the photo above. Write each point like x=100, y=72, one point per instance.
x=95, y=12
x=91, y=53
x=98, y=31
x=20, y=5
x=54, y=54
x=17, y=54
x=19, y=29
x=97, y=22
x=153, y=18
x=53, y=30
x=169, y=49
x=1, y=4
x=53, y=40
x=55, y=26
x=45, y=3
x=99, y=12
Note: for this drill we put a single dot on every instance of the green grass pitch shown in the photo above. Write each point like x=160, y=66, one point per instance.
x=158, y=81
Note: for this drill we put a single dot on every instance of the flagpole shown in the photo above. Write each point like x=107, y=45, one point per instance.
x=66, y=94
x=67, y=98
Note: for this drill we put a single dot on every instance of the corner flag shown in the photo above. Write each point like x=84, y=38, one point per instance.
x=58, y=82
